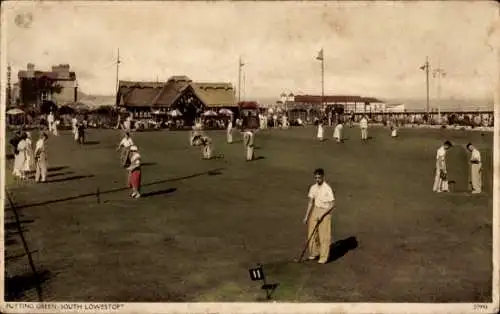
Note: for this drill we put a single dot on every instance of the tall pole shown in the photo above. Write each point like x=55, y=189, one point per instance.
x=117, y=86
x=240, y=65
x=322, y=82
x=426, y=68
x=244, y=87
x=117, y=70
x=321, y=58
x=427, y=83
x=9, y=86
x=438, y=74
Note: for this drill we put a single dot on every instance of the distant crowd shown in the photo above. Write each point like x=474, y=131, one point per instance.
x=269, y=118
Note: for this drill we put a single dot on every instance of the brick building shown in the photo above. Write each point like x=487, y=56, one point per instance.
x=58, y=85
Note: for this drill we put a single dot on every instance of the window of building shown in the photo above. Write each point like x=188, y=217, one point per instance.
x=44, y=96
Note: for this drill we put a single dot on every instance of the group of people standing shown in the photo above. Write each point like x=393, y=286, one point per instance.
x=475, y=170
x=338, y=130
x=27, y=159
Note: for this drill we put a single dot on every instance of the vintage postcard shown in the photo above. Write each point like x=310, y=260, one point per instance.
x=250, y=157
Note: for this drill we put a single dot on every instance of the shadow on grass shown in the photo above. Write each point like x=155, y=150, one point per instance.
x=57, y=168
x=93, y=194
x=258, y=158
x=214, y=173
x=160, y=192
x=50, y=175
x=13, y=225
x=17, y=286
x=71, y=178
x=341, y=247
x=145, y=164
x=92, y=143
x=18, y=256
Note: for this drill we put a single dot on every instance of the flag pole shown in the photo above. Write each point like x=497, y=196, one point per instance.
x=323, y=80
x=427, y=83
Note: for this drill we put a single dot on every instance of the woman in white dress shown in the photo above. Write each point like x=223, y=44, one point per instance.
x=230, y=131
x=320, y=131
x=337, y=133
x=28, y=165
x=20, y=160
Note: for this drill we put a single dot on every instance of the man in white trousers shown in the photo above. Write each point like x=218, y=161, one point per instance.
x=363, y=125
x=441, y=177
x=476, y=169
x=319, y=218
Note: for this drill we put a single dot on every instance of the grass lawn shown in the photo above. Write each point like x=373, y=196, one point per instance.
x=202, y=224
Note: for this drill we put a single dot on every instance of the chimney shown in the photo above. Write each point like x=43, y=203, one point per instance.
x=30, y=67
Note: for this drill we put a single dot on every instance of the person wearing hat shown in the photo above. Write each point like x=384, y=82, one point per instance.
x=206, y=150
x=475, y=169
x=41, y=159
x=248, y=141
x=441, y=177
x=320, y=132
x=74, y=127
x=20, y=159
x=230, y=131
x=124, y=149
x=337, y=133
x=135, y=171
x=81, y=133
x=28, y=165
x=363, y=125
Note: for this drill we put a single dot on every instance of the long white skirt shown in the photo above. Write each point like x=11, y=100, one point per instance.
x=337, y=133
x=19, y=162
x=320, y=133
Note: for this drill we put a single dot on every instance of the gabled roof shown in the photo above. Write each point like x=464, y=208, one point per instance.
x=160, y=94
x=137, y=94
x=171, y=91
x=215, y=94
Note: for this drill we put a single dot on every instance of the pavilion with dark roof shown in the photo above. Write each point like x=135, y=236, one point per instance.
x=179, y=92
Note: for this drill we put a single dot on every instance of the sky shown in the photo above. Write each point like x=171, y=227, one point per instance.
x=370, y=49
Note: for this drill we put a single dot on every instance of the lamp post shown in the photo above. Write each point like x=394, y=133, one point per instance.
x=426, y=68
x=321, y=58
x=240, y=66
x=438, y=74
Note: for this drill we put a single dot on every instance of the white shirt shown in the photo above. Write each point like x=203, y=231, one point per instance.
x=441, y=153
x=441, y=158
x=74, y=122
x=475, y=155
x=363, y=123
x=21, y=146
x=135, y=160
x=322, y=195
x=40, y=144
x=126, y=142
x=50, y=118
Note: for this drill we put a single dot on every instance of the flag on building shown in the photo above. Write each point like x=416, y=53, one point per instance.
x=423, y=67
x=320, y=55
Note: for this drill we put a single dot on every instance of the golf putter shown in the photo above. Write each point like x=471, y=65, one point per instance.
x=299, y=260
